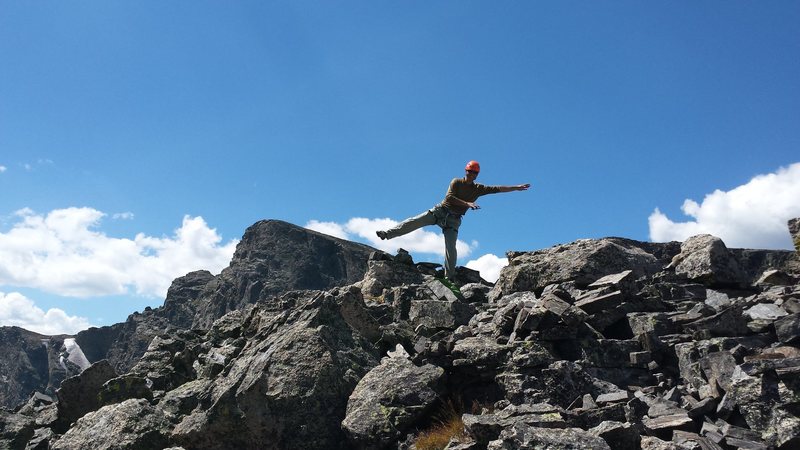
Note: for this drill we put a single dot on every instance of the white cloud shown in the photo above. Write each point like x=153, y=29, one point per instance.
x=489, y=266
x=329, y=228
x=123, y=216
x=753, y=215
x=18, y=310
x=418, y=241
x=3, y=169
x=64, y=253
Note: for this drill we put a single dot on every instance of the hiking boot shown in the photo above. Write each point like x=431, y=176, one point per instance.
x=381, y=234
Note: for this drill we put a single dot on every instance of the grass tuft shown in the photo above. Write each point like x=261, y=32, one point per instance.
x=447, y=425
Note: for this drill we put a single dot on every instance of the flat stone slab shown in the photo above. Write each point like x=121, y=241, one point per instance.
x=788, y=329
x=671, y=421
x=766, y=311
x=602, y=303
x=613, y=397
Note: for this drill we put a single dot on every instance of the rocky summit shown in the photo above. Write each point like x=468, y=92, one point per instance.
x=309, y=342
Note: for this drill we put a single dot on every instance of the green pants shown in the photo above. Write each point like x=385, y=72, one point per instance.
x=449, y=224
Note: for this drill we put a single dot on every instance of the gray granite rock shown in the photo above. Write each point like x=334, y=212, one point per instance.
x=132, y=424
x=584, y=262
x=389, y=400
x=705, y=258
x=78, y=395
x=522, y=436
x=788, y=329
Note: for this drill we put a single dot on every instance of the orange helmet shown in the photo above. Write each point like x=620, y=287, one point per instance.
x=473, y=166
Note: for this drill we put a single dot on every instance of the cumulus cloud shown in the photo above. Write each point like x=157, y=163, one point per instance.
x=64, y=253
x=489, y=266
x=752, y=215
x=16, y=310
x=418, y=241
x=3, y=169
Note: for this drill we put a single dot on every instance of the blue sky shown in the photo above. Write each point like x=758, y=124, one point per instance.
x=138, y=140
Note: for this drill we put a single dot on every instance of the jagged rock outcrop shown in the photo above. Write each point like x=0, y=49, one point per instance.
x=275, y=257
x=31, y=362
x=596, y=344
x=179, y=306
x=287, y=386
x=580, y=262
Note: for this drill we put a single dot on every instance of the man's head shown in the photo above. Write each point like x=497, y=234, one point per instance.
x=473, y=168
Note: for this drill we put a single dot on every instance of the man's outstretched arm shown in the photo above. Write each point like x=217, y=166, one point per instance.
x=516, y=187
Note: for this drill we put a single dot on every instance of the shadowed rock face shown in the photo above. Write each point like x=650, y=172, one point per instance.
x=794, y=230
x=606, y=343
x=275, y=257
x=30, y=362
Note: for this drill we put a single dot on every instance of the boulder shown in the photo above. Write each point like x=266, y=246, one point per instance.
x=654, y=443
x=383, y=274
x=765, y=311
x=623, y=281
x=436, y=314
x=582, y=262
x=706, y=259
x=442, y=292
x=123, y=388
x=483, y=428
x=475, y=292
x=774, y=277
x=78, y=395
x=131, y=425
x=482, y=351
x=788, y=329
x=15, y=430
x=389, y=400
x=618, y=435
x=718, y=368
x=523, y=436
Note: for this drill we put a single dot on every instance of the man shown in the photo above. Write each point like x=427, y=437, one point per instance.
x=461, y=196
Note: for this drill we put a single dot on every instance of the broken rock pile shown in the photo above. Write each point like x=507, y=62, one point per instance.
x=598, y=344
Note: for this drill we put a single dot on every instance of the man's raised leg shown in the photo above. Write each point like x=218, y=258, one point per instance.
x=409, y=225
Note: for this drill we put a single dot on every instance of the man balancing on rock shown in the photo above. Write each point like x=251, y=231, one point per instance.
x=461, y=196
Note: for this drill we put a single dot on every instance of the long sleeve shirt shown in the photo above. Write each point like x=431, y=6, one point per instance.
x=468, y=192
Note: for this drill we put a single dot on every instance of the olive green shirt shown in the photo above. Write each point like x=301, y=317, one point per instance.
x=461, y=189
